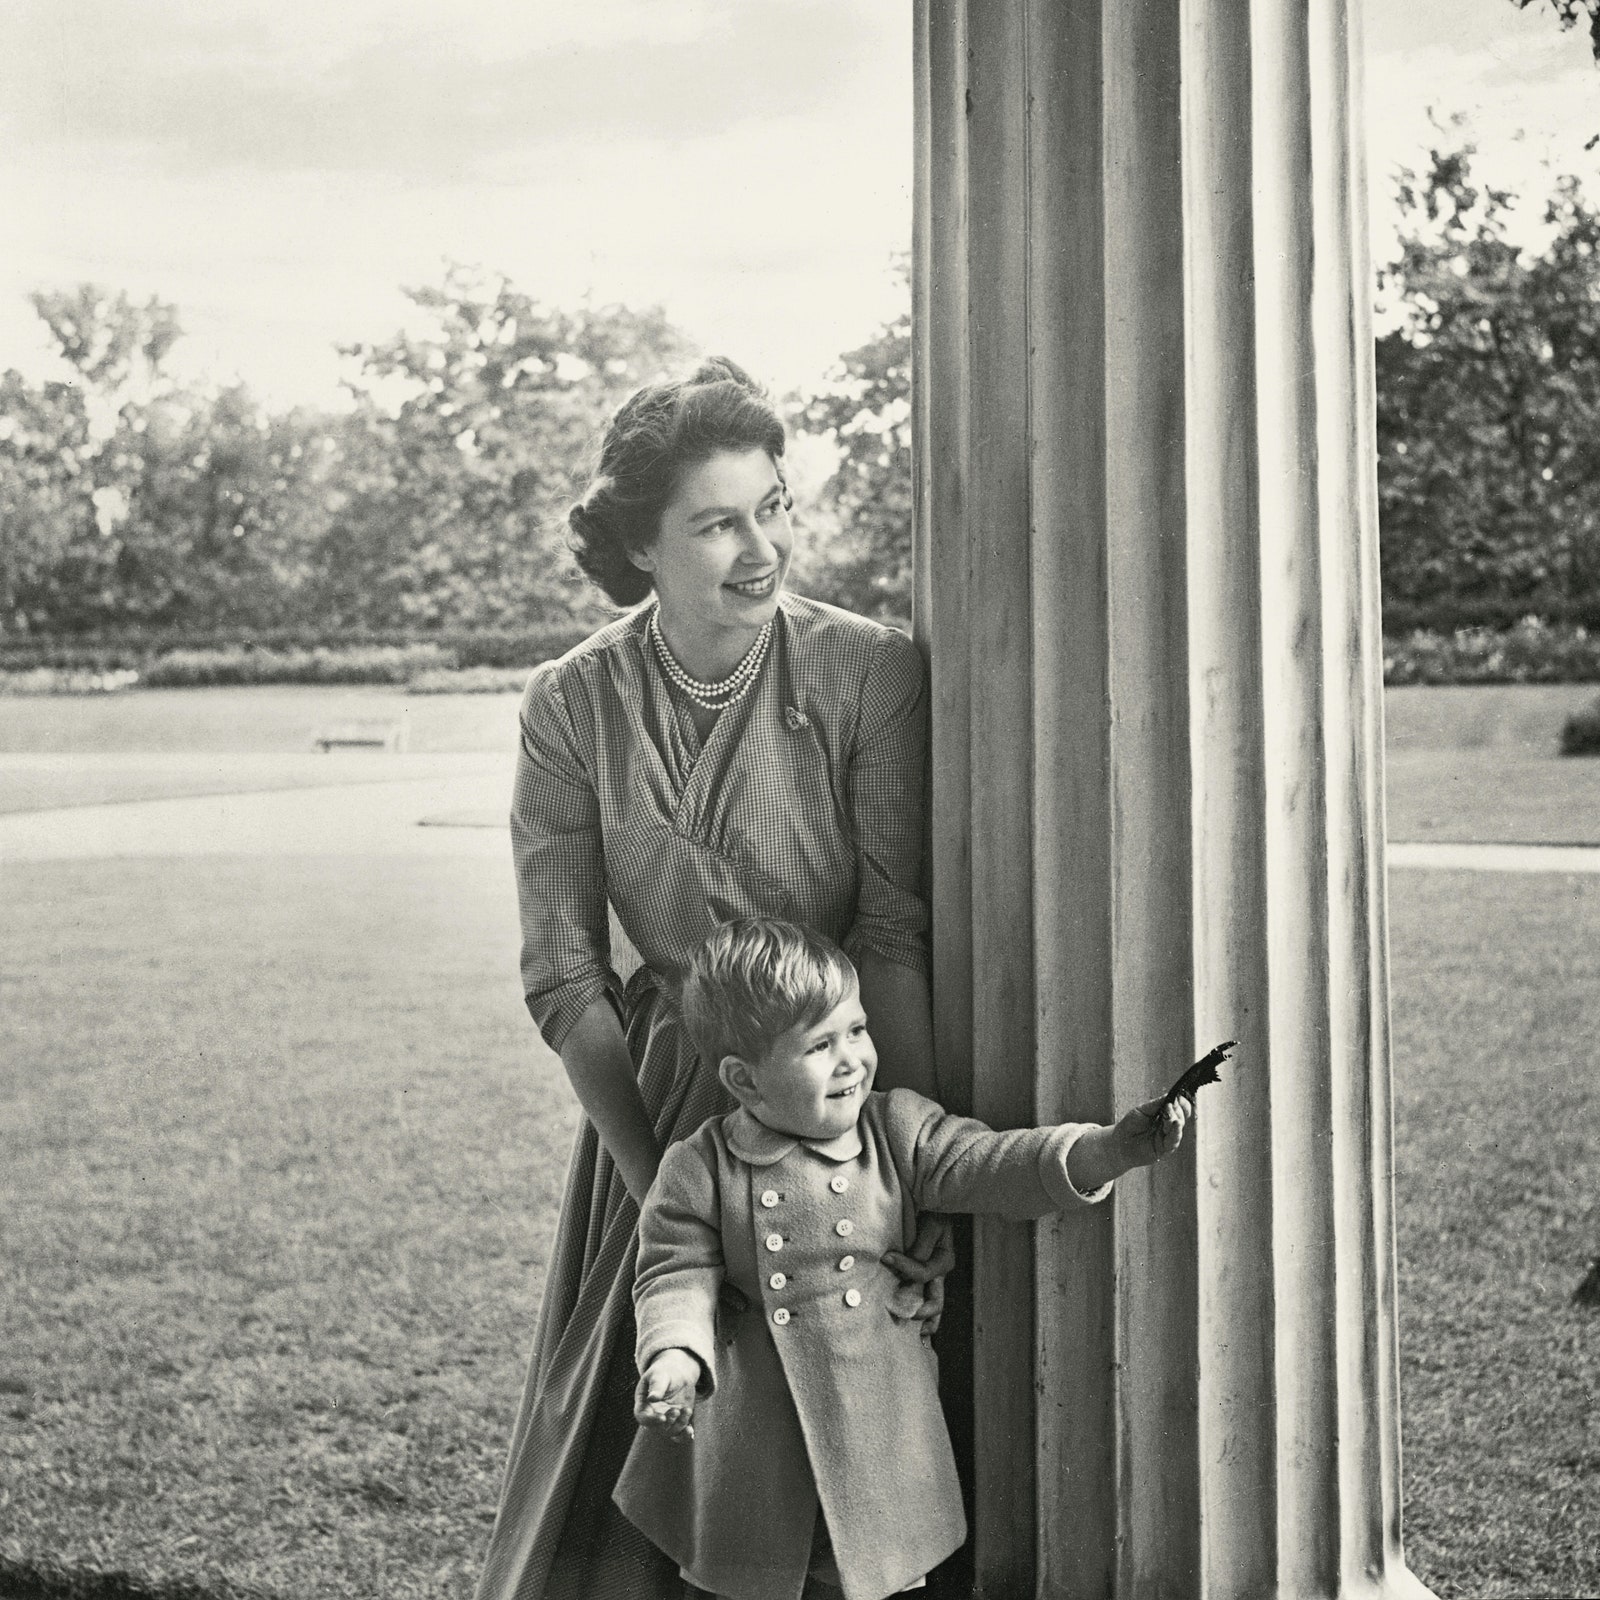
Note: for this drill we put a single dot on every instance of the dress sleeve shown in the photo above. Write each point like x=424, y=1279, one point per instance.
x=555, y=842
x=886, y=782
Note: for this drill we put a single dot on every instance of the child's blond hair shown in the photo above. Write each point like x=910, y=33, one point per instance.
x=757, y=977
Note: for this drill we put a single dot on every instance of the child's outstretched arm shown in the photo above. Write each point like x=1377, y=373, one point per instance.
x=954, y=1163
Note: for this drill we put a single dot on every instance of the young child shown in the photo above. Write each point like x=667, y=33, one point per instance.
x=792, y=1432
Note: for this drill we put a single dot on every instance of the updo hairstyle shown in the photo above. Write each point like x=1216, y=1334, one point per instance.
x=657, y=432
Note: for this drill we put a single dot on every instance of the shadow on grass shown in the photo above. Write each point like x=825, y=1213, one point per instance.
x=28, y=1580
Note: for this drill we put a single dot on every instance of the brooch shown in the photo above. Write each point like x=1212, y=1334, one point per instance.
x=795, y=718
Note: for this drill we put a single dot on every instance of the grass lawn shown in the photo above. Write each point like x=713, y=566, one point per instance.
x=1493, y=797
x=279, y=718
x=1496, y=982
x=280, y=1156
x=47, y=782
x=1525, y=717
x=279, y=1161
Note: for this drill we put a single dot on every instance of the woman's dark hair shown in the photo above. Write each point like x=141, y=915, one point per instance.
x=657, y=432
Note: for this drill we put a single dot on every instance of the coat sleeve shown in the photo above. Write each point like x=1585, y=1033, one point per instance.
x=885, y=791
x=680, y=1267
x=956, y=1163
x=556, y=845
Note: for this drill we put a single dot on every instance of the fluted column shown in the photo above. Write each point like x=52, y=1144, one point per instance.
x=1147, y=583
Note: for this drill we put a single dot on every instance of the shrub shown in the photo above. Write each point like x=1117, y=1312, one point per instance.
x=1453, y=613
x=1581, y=734
x=66, y=680
x=189, y=669
x=1531, y=652
x=470, y=647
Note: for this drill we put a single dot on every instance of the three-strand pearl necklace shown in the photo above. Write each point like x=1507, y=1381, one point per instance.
x=725, y=692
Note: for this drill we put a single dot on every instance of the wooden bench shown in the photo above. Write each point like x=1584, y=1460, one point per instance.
x=384, y=734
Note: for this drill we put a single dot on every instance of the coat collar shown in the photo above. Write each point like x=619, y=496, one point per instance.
x=760, y=1145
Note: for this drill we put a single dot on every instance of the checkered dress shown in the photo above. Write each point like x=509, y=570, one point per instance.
x=805, y=803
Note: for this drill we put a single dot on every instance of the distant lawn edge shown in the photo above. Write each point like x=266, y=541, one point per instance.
x=50, y=1580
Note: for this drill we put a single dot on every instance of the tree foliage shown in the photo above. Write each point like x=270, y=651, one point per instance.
x=857, y=551
x=1489, y=395
x=456, y=499
x=1571, y=12
x=439, y=499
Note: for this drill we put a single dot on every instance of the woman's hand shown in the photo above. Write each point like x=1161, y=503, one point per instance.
x=922, y=1271
x=664, y=1395
x=603, y=1078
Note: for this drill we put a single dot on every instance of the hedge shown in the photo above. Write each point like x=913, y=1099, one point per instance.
x=466, y=647
x=1531, y=652
x=1401, y=617
x=467, y=662
x=469, y=680
x=195, y=669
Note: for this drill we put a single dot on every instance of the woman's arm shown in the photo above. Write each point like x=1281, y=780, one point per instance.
x=899, y=1015
x=595, y=1054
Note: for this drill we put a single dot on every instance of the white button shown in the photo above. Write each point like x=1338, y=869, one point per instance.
x=777, y=1280
x=844, y=1227
x=852, y=1297
x=846, y=1262
x=839, y=1184
x=774, y=1241
x=780, y=1316
x=770, y=1198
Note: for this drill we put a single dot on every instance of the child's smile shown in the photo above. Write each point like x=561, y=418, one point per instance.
x=813, y=1081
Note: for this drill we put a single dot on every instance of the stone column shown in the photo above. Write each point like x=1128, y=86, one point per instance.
x=1147, y=580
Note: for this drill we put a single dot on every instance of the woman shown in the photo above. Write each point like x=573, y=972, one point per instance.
x=727, y=750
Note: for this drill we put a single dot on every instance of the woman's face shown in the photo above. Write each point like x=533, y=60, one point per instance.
x=720, y=558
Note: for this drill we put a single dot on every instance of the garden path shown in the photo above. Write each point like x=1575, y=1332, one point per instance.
x=349, y=811
x=441, y=804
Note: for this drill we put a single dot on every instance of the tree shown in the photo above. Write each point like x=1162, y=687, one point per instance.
x=1569, y=11
x=46, y=507
x=452, y=502
x=857, y=551
x=130, y=500
x=1489, y=395
x=69, y=453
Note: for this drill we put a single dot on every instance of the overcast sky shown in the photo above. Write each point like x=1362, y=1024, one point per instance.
x=279, y=169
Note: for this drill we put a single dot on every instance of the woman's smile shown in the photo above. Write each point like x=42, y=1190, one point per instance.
x=755, y=588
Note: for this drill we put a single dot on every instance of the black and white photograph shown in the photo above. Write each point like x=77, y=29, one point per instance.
x=800, y=800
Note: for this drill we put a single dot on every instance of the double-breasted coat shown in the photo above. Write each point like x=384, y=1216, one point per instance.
x=817, y=1393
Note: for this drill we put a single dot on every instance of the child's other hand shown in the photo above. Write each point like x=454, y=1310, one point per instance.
x=664, y=1396
x=1152, y=1131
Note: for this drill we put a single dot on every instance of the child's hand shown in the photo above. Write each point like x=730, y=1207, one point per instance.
x=1154, y=1130
x=664, y=1397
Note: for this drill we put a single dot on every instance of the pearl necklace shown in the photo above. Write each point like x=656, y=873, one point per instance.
x=727, y=691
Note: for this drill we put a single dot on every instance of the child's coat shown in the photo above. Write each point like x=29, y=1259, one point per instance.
x=815, y=1389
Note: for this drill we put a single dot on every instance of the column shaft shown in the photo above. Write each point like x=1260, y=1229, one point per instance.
x=1147, y=583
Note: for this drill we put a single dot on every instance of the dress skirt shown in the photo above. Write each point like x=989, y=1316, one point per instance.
x=558, y=1535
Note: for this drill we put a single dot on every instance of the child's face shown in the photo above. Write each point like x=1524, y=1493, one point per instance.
x=813, y=1081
